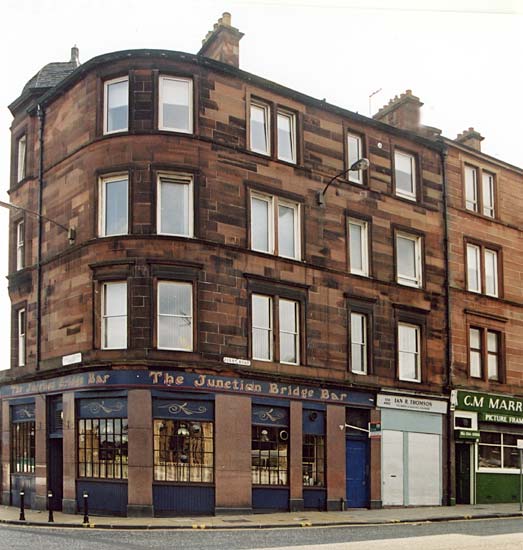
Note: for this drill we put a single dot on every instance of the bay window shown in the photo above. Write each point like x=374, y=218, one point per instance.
x=175, y=205
x=114, y=315
x=114, y=208
x=116, y=105
x=175, y=104
x=175, y=316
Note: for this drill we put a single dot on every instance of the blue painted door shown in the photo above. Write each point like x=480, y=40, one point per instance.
x=357, y=478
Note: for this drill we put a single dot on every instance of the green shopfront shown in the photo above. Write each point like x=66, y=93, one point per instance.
x=486, y=430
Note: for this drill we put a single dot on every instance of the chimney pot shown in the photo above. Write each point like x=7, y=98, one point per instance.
x=75, y=55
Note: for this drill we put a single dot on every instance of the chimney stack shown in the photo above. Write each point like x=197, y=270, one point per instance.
x=223, y=42
x=470, y=138
x=402, y=112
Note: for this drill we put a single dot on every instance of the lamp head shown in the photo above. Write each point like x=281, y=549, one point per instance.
x=360, y=164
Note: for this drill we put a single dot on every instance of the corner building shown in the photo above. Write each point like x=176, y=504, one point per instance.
x=216, y=338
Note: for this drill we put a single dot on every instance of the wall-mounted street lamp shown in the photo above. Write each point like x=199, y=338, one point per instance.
x=71, y=231
x=360, y=164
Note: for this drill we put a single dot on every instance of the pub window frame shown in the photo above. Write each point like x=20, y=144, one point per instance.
x=22, y=459
x=94, y=466
x=183, y=440
x=278, y=474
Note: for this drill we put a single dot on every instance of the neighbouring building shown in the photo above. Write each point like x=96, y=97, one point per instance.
x=485, y=221
x=220, y=334
x=484, y=228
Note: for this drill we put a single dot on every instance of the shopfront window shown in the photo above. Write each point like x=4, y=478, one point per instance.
x=102, y=438
x=270, y=451
x=498, y=450
x=22, y=439
x=313, y=460
x=183, y=451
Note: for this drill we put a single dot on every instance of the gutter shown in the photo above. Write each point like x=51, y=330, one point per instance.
x=41, y=119
x=449, y=355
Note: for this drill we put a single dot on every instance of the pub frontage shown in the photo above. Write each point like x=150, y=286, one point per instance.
x=487, y=427
x=146, y=442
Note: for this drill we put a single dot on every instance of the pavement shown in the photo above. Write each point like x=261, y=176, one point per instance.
x=355, y=517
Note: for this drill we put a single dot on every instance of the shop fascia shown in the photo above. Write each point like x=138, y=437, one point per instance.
x=489, y=407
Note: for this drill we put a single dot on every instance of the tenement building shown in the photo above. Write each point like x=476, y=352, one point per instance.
x=212, y=312
x=483, y=226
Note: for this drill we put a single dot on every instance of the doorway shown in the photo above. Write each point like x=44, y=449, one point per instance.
x=357, y=472
x=464, y=485
x=55, y=464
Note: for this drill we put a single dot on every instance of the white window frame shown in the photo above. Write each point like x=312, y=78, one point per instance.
x=108, y=83
x=269, y=329
x=273, y=213
x=477, y=252
x=20, y=245
x=21, y=330
x=295, y=333
x=104, y=317
x=364, y=244
x=479, y=351
x=400, y=192
x=472, y=416
x=297, y=224
x=417, y=280
x=292, y=117
x=267, y=119
x=483, y=469
x=363, y=344
x=21, y=152
x=102, y=209
x=189, y=81
x=471, y=203
x=488, y=188
x=159, y=315
x=489, y=251
x=270, y=221
x=180, y=179
x=417, y=353
x=355, y=176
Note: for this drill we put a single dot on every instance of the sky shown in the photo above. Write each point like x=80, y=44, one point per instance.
x=462, y=58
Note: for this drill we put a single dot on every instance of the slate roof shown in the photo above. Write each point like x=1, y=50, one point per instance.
x=50, y=75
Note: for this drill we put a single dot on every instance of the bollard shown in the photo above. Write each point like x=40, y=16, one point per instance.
x=342, y=504
x=22, y=512
x=50, y=519
x=86, y=508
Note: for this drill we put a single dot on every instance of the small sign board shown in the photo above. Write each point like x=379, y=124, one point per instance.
x=520, y=444
x=71, y=359
x=375, y=430
x=467, y=434
x=236, y=361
